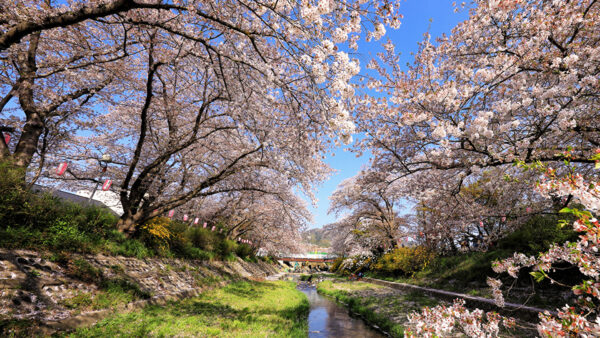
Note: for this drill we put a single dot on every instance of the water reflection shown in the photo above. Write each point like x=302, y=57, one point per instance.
x=327, y=319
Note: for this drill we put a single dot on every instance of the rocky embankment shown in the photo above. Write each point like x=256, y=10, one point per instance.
x=58, y=291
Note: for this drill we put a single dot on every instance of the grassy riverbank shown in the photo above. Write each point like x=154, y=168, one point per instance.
x=241, y=309
x=378, y=305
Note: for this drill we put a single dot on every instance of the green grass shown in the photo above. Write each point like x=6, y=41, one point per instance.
x=241, y=309
x=360, y=305
x=112, y=293
x=352, y=286
x=453, y=273
x=11, y=327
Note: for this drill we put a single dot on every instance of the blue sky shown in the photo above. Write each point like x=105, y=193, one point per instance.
x=420, y=16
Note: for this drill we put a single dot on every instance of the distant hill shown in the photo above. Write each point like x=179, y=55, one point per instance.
x=316, y=237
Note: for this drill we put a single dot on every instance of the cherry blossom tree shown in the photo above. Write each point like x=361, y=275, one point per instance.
x=271, y=221
x=517, y=82
x=371, y=204
x=485, y=208
x=207, y=98
x=54, y=78
x=288, y=42
x=348, y=238
x=580, y=319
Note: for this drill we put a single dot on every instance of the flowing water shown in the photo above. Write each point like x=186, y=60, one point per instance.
x=327, y=319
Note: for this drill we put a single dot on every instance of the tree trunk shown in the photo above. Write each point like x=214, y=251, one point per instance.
x=28, y=142
x=127, y=224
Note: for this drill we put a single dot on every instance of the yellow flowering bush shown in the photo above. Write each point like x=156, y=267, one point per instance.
x=158, y=227
x=156, y=233
x=404, y=261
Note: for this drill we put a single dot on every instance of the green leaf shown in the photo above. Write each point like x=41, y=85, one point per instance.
x=538, y=276
x=566, y=210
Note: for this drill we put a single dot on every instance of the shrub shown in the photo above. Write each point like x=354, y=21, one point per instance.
x=63, y=235
x=14, y=197
x=134, y=248
x=226, y=248
x=156, y=231
x=231, y=257
x=537, y=234
x=91, y=219
x=203, y=238
x=404, y=261
x=268, y=259
x=336, y=264
x=197, y=253
x=19, y=237
x=243, y=250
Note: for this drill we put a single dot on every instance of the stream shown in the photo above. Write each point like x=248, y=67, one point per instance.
x=327, y=319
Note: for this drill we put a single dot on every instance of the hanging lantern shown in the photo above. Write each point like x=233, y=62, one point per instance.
x=171, y=213
x=196, y=220
x=61, y=168
x=106, y=185
x=213, y=228
x=204, y=226
x=185, y=218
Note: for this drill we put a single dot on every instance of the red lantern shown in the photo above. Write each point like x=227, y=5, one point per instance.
x=61, y=168
x=196, y=220
x=171, y=213
x=213, y=228
x=106, y=185
x=7, y=138
x=185, y=217
x=204, y=226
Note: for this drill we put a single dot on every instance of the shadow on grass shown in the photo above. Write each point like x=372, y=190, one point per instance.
x=206, y=315
x=18, y=327
x=250, y=289
x=198, y=307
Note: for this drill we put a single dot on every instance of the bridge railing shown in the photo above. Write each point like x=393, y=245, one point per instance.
x=308, y=256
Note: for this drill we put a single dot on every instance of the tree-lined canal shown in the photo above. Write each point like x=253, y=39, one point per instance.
x=327, y=319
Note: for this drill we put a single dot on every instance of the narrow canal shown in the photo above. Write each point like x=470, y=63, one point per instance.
x=327, y=319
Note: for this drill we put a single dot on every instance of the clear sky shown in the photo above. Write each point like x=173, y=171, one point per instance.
x=420, y=16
